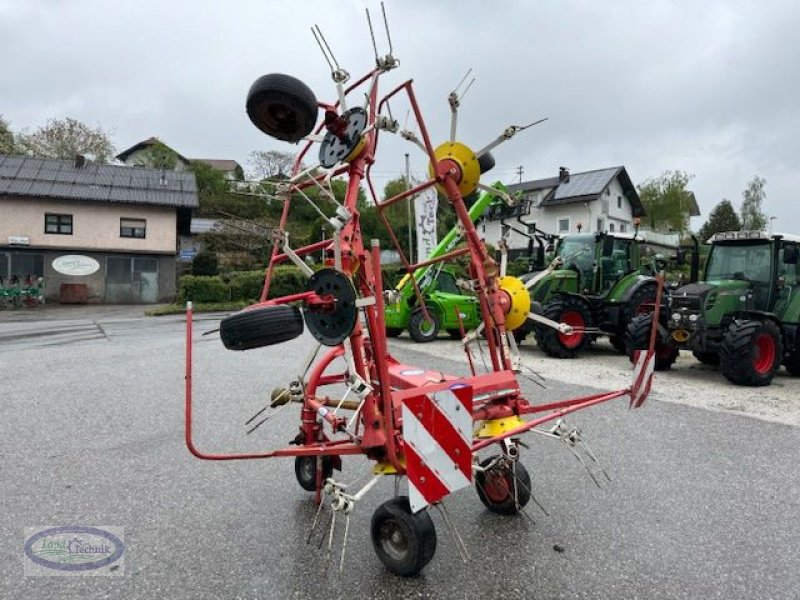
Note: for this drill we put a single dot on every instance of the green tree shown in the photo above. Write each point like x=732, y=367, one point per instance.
x=270, y=163
x=66, y=138
x=159, y=156
x=7, y=143
x=723, y=217
x=753, y=197
x=666, y=201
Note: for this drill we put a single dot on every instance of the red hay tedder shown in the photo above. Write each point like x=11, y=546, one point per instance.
x=423, y=425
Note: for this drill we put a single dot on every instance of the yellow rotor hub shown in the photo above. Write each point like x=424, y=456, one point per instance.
x=520, y=301
x=362, y=141
x=495, y=427
x=464, y=160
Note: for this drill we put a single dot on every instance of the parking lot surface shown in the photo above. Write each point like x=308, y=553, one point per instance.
x=702, y=503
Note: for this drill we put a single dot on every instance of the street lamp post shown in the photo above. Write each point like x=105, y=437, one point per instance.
x=771, y=219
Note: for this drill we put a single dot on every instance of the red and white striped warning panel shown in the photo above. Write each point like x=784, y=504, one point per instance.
x=437, y=430
x=642, y=377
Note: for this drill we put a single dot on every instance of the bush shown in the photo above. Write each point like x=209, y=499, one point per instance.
x=246, y=285
x=205, y=263
x=203, y=288
x=286, y=280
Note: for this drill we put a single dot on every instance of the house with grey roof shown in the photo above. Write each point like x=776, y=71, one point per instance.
x=141, y=154
x=589, y=201
x=95, y=233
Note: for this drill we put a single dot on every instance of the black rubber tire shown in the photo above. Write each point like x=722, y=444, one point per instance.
x=792, y=363
x=455, y=334
x=619, y=343
x=486, y=162
x=646, y=293
x=257, y=327
x=638, y=338
x=305, y=470
x=549, y=340
x=404, y=542
x=393, y=332
x=520, y=333
x=416, y=325
x=739, y=352
x=707, y=357
x=282, y=106
x=495, y=487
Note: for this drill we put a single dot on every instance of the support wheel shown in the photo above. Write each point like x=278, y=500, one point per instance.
x=257, y=327
x=405, y=542
x=751, y=352
x=638, y=338
x=422, y=329
x=707, y=357
x=504, y=488
x=282, y=107
x=572, y=311
x=305, y=469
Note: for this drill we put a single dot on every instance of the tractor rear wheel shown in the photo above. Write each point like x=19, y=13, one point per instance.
x=572, y=311
x=638, y=338
x=405, y=542
x=707, y=357
x=751, y=352
x=257, y=327
x=504, y=488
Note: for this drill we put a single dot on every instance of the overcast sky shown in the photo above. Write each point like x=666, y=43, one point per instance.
x=711, y=87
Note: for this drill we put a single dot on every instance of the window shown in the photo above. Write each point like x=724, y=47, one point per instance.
x=619, y=201
x=599, y=224
x=132, y=228
x=61, y=224
x=611, y=227
x=622, y=228
x=563, y=225
x=24, y=264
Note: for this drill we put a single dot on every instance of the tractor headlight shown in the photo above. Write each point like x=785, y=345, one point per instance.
x=676, y=316
x=693, y=318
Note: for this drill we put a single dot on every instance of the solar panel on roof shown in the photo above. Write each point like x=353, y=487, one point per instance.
x=585, y=184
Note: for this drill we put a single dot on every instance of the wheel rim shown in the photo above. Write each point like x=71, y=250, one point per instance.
x=764, y=357
x=575, y=320
x=308, y=469
x=496, y=485
x=644, y=307
x=394, y=540
x=426, y=326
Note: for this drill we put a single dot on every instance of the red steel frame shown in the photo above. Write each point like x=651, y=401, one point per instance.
x=378, y=433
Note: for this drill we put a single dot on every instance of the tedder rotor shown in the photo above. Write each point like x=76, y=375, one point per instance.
x=437, y=432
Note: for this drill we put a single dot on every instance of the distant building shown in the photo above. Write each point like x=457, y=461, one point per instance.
x=140, y=155
x=61, y=219
x=589, y=201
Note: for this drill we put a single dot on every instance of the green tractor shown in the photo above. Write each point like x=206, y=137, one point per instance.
x=602, y=283
x=447, y=306
x=743, y=316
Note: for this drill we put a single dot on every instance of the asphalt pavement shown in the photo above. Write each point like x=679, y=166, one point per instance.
x=701, y=504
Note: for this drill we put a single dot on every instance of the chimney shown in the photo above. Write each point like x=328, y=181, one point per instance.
x=80, y=161
x=563, y=174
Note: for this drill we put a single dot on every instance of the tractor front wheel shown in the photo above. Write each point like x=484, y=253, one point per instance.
x=572, y=311
x=751, y=352
x=792, y=363
x=638, y=338
x=405, y=542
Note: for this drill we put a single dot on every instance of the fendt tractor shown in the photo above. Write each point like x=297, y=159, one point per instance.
x=743, y=316
x=601, y=283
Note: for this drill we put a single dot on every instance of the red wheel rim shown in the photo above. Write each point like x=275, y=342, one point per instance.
x=764, y=357
x=575, y=320
x=496, y=486
x=645, y=308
